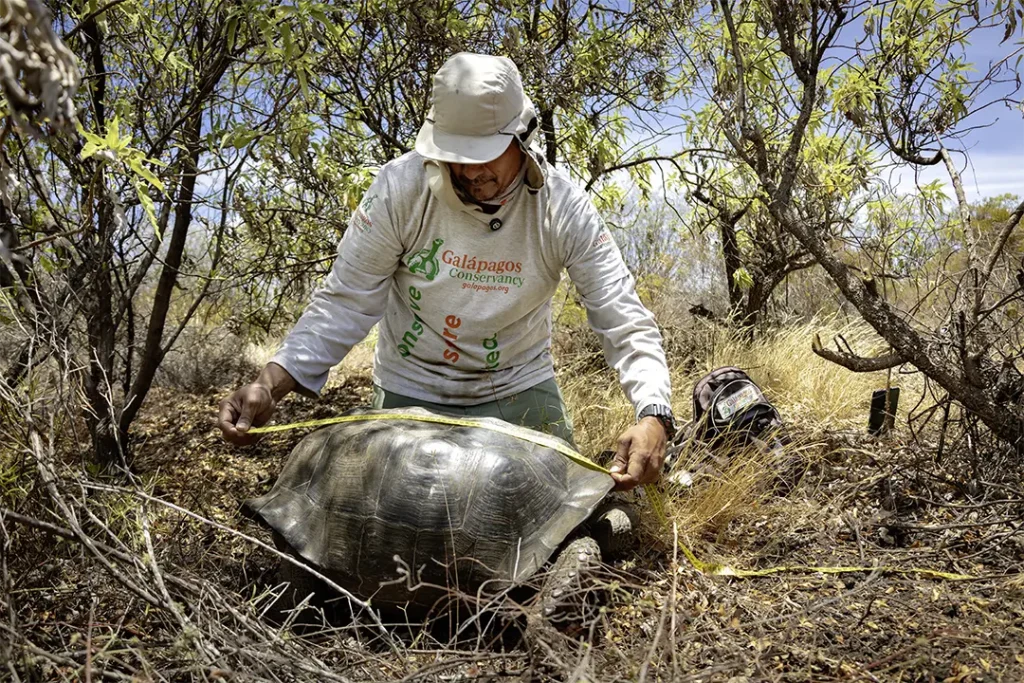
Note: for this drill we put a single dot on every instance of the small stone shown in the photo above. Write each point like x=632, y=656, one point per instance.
x=556, y=593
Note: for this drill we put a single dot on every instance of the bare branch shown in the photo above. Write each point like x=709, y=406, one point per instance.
x=854, y=362
x=1004, y=234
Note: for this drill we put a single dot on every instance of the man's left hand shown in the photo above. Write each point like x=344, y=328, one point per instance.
x=640, y=454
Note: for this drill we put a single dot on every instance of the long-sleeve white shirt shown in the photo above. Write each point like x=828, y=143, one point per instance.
x=464, y=309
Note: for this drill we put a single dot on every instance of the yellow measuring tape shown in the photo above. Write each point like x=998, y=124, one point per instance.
x=521, y=433
x=653, y=495
x=715, y=569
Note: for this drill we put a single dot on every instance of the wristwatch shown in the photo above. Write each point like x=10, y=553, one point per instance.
x=664, y=415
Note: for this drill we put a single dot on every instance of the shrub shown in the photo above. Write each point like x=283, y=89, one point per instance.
x=203, y=360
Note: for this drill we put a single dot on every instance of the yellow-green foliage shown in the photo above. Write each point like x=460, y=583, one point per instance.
x=566, y=311
x=120, y=514
x=15, y=481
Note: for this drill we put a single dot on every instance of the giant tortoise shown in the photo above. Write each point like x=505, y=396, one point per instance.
x=399, y=509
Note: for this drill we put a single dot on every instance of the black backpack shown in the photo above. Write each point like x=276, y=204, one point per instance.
x=731, y=413
x=729, y=409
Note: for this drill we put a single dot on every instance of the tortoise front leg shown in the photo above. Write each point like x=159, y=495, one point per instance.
x=566, y=597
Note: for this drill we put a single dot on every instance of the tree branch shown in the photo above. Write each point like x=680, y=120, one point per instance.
x=1004, y=234
x=853, y=362
x=635, y=162
x=899, y=150
x=90, y=16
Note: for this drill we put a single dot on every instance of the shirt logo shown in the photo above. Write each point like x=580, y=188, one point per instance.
x=482, y=275
x=361, y=217
x=425, y=261
x=603, y=238
x=367, y=202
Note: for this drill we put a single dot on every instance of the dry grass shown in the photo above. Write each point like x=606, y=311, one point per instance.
x=813, y=395
x=662, y=621
x=718, y=498
x=806, y=388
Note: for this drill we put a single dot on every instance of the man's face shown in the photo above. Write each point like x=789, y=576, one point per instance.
x=487, y=181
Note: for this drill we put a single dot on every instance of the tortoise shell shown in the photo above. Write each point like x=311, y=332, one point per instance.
x=382, y=505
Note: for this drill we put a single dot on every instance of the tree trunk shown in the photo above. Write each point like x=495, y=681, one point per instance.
x=1004, y=422
x=101, y=333
x=547, y=128
x=731, y=258
x=757, y=297
x=99, y=415
x=153, y=350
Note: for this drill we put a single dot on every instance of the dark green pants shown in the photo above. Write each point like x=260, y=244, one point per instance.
x=540, y=407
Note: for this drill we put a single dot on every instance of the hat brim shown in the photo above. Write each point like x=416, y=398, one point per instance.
x=460, y=149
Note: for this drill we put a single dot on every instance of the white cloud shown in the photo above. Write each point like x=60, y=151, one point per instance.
x=985, y=174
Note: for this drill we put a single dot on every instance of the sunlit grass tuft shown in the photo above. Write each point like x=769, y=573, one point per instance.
x=803, y=386
x=813, y=395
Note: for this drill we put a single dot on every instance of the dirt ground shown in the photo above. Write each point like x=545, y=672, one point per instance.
x=861, y=503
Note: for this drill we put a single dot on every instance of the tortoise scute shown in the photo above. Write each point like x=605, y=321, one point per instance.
x=459, y=505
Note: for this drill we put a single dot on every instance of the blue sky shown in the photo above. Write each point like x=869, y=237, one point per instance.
x=994, y=160
x=996, y=151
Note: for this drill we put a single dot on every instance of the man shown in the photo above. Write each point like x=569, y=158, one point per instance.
x=456, y=250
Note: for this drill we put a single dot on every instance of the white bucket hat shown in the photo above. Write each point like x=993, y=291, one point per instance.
x=477, y=107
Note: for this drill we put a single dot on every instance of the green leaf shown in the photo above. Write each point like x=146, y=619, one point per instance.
x=91, y=148
x=329, y=26
x=112, y=138
x=136, y=165
x=232, y=30
x=286, y=36
x=240, y=139
x=93, y=138
x=267, y=31
x=743, y=279
x=148, y=207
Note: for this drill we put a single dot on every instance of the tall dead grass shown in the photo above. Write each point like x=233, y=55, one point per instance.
x=808, y=390
x=813, y=396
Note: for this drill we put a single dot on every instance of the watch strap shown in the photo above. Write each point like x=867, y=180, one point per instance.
x=663, y=414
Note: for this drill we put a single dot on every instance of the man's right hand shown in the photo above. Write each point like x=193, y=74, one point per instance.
x=253, y=404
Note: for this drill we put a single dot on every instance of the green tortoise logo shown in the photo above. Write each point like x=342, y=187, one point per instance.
x=425, y=260
x=367, y=202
